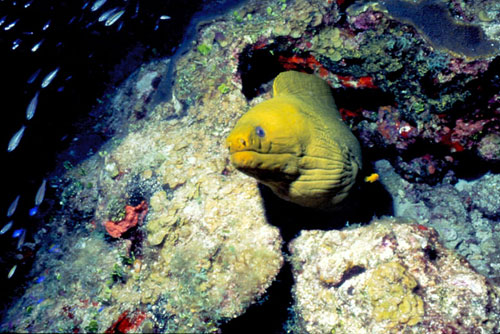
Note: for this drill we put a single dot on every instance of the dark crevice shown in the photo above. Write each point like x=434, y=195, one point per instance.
x=367, y=99
x=256, y=67
x=431, y=253
x=272, y=310
x=350, y=273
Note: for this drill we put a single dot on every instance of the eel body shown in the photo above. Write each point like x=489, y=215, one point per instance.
x=297, y=144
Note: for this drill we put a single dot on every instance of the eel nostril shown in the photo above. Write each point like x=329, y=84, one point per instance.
x=242, y=142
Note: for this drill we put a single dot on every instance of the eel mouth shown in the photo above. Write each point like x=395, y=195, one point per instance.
x=246, y=159
x=266, y=167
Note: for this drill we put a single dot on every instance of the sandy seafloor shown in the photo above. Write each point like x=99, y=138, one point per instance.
x=209, y=242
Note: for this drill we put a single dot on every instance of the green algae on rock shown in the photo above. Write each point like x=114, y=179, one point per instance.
x=432, y=19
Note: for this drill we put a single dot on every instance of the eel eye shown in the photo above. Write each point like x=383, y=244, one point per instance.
x=260, y=132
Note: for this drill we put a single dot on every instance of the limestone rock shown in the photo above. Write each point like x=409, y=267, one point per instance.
x=388, y=277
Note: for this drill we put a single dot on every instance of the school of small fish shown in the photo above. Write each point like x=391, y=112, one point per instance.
x=44, y=79
x=109, y=17
x=21, y=232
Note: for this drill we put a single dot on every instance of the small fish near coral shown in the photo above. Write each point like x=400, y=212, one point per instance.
x=372, y=178
x=297, y=144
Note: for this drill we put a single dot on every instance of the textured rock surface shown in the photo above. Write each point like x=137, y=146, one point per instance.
x=388, y=277
x=202, y=254
x=465, y=214
x=484, y=194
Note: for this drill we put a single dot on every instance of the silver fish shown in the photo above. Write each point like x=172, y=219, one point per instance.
x=165, y=17
x=2, y=20
x=30, y=110
x=13, y=206
x=34, y=76
x=114, y=18
x=20, y=242
x=6, y=227
x=16, y=43
x=46, y=26
x=136, y=10
x=16, y=138
x=49, y=77
x=98, y=4
x=12, y=271
x=104, y=16
x=27, y=4
x=11, y=25
x=37, y=46
x=40, y=194
x=17, y=233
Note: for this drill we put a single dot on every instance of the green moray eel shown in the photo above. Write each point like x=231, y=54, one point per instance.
x=297, y=144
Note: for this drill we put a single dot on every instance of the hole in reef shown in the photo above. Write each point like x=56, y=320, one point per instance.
x=367, y=99
x=364, y=201
x=257, y=65
x=350, y=273
x=260, y=63
x=431, y=253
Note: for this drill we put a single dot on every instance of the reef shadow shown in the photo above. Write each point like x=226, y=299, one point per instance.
x=365, y=201
x=271, y=312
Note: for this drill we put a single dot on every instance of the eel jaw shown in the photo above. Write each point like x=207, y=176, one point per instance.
x=268, y=168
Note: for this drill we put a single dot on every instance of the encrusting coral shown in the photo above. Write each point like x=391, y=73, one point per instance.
x=390, y=288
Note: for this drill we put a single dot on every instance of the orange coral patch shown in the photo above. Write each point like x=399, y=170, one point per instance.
x=133, y=214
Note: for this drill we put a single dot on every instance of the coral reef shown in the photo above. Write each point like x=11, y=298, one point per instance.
x=392, y=276
x=398, y=91
x=433, y=20
x=489, y=147
x=465, y=214
x=125, y=324
x=204, y=252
